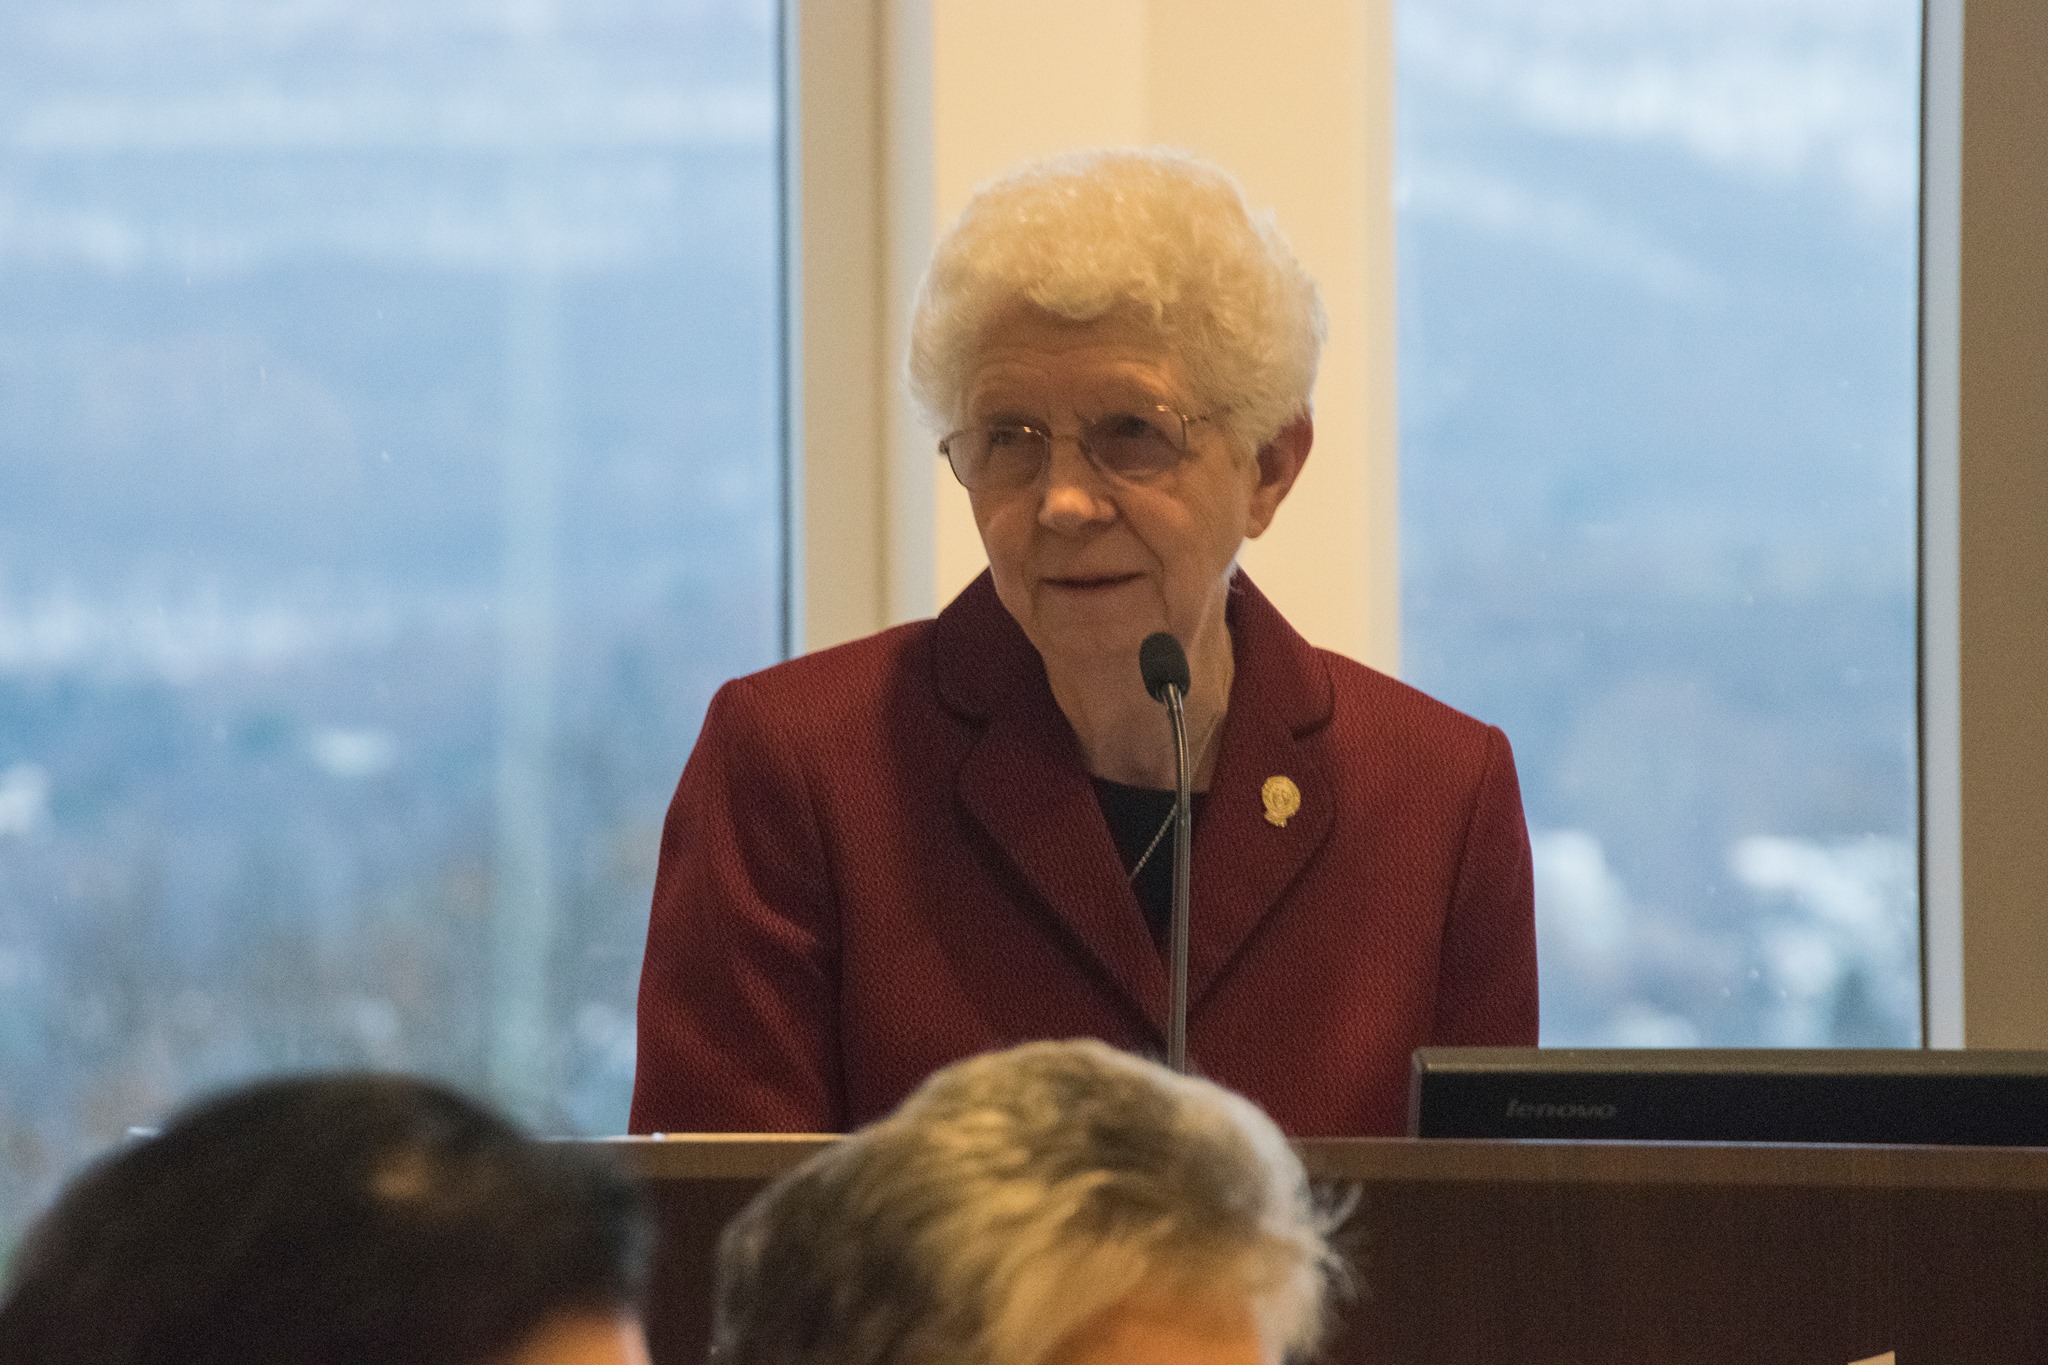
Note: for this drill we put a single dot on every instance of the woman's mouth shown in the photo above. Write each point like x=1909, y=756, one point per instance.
x=1091, y=582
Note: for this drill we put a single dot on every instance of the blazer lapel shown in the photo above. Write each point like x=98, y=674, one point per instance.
x=1280, y=702
x=1024, y=782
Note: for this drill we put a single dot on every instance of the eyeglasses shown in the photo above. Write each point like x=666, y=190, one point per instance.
x=1134, y=446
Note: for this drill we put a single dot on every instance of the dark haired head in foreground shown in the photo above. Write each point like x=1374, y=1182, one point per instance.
x=1055, y=1204
x=368, y=1220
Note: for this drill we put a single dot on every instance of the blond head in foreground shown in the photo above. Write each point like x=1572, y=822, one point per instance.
x=1056, y=1203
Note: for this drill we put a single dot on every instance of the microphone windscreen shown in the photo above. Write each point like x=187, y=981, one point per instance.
x=1163, y=663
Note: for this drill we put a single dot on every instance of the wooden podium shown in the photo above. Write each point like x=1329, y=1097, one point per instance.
x=1563, y=1253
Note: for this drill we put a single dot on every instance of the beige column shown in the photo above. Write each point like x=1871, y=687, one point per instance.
x=1297, y=101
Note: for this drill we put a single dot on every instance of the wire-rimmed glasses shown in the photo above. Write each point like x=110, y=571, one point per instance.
x=1009, y=453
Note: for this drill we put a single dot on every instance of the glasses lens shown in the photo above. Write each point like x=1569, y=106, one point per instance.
x=1135, y=444
x=1000, y=455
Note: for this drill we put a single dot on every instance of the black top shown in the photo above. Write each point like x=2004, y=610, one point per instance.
x=1134, y=816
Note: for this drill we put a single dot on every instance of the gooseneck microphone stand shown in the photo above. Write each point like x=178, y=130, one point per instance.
x=1164, y=665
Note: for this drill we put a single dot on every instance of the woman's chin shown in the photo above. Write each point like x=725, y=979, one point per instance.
x=1082, y=637
x=1089, y=626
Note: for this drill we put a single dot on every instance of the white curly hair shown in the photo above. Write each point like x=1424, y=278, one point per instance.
x=1157, y=236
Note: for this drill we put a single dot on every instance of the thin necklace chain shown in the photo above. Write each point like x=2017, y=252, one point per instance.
x=1160, y=833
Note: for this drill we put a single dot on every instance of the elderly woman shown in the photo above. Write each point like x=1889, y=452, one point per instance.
x=950, y=836
x=1057, y=1204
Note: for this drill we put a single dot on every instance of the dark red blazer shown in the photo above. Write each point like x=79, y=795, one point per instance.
x=889, y=855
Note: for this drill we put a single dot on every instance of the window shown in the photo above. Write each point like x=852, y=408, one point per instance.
x=1657, y=367
x=389, y=471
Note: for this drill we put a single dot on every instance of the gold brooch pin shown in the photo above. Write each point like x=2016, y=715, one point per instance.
x=1282, y=799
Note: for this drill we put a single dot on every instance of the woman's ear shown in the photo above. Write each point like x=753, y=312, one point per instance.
x=1280, y=461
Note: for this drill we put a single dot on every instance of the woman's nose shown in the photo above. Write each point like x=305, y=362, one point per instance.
x=1076, y=493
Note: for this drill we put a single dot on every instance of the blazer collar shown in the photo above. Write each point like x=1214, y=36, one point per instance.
x=980, y=655
x=1280, y=704
x=1026, y=783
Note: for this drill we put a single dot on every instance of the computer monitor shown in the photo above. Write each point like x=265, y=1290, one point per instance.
x=1954, y=1098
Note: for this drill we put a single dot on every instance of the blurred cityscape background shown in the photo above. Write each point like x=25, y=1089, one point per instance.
x=389, y=471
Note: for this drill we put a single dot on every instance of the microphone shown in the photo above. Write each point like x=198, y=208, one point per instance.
x=1164, y=666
